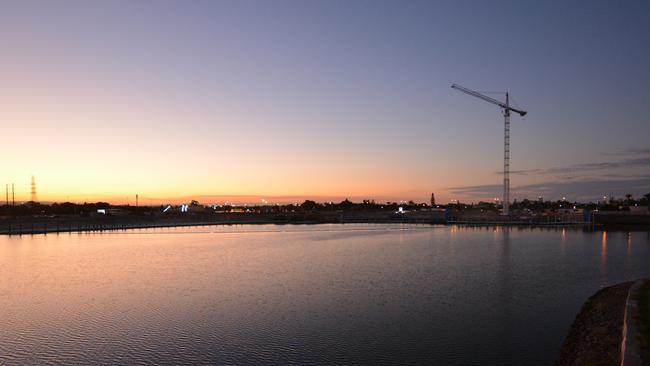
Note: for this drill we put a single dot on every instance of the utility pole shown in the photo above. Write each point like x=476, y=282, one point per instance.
x=136, y=200
x=13, y=195
x=7, y=193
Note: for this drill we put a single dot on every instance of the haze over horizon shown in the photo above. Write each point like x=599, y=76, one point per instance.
x=292, y=100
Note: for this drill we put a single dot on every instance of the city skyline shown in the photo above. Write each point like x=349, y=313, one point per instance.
x=328, y=100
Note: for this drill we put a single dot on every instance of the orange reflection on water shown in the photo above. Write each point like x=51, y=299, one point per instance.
x=603, y=257
x=629, y=245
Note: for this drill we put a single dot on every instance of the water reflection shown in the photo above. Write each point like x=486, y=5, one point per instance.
x=324, y=294
x=505, y=293
x=629, y=245
x=603, y=259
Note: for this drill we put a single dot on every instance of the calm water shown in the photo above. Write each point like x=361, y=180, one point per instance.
x=325, y=294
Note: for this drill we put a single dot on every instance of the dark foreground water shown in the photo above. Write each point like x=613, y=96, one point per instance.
x=326, y=294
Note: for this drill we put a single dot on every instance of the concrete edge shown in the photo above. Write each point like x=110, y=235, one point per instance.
x=630, y=351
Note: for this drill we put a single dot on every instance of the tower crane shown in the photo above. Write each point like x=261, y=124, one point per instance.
x=506, y=108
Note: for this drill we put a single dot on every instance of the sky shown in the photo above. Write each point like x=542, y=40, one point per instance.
x=287, y=100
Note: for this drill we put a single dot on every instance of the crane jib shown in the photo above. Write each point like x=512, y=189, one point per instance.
x=521, y=113
x=487, y=99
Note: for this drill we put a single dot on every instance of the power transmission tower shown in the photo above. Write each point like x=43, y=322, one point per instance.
x=33, y=189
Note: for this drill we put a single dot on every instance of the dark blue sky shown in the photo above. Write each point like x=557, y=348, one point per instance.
x=330, y=98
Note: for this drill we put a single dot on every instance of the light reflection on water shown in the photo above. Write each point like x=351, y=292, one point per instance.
x=304, y=294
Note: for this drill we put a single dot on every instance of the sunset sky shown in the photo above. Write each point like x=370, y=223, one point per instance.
x=287, y=100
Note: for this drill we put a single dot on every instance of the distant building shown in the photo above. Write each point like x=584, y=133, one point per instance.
x=570, y=211
x=111, y=212
x=638, y=209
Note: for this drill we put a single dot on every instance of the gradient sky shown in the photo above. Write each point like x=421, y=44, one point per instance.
x=287, y=100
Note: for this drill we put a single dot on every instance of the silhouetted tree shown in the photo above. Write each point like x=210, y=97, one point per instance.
x=628, y=197
x=309, y=205
x=346, y=204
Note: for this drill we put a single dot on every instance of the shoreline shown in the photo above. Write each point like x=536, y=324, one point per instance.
x=597, y=333
x=605, y=331
x=32, y=226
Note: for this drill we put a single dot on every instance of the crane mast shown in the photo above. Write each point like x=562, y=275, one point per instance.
x=506, y=157
x=506, y=108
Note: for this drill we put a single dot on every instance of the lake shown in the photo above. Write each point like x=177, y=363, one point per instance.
x=312, y=294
